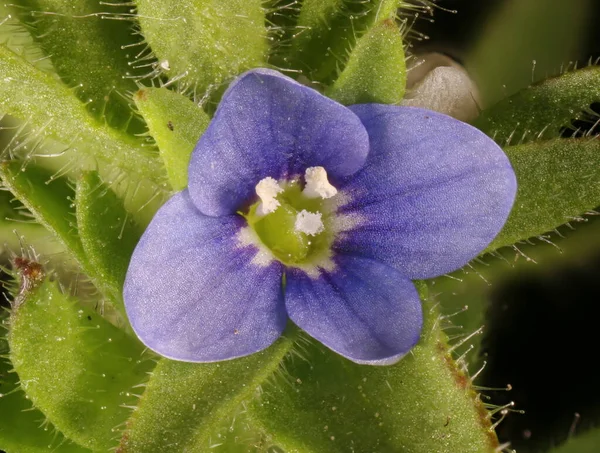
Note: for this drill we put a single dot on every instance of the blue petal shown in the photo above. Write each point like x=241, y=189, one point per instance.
x=432, y=195
x=192, y=292
x=269, y=125
x=364, y=310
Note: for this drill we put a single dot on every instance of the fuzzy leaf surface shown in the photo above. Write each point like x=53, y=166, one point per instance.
x=584, y=443
x=542, y=110
x=12, y=219
x=108, y=234
x=423, y=404
x=84, y=42
x=48, y=199
x=188, y=406
x=558, y=181
x=524, y=41
x=20, y=430
x=52, y=111
x=206, y=41
x=327, y=31
x=302, y=397
x=376, y=69
x=176, y=124
x=76, y=367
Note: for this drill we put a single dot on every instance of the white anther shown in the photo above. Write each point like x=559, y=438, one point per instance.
x=317, y=185
x=267, y=190
x=309, y=223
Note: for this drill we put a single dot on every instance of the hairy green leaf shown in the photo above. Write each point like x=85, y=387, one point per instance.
x=524, y=41
x=15, y=223
x=175, y=123
x=77, y=368
x=558, y=181
x=302, y=397
x=48, y=199
x=107, y=233
x=542, y=110
x=583, y=443
x=205, y=41
x=51, y=110
x=327, y=32
x=422, y=404
x=23, y=429
x=85, y=40
x=376, y=69
x=189, y=406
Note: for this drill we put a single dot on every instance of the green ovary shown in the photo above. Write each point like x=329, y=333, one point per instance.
x=277, y=230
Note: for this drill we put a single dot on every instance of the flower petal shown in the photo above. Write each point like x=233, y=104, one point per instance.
x=432, y=195
x=192, y=292
x=364, y=310
x=269, y=125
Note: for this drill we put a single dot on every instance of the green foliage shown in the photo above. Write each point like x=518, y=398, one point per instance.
x=15, y=223
x=558, y=180
x=21, y=430
x=376, y=69
x=175, y=123
x=47, y=198
x=96, y=66
x=208, y=42
x=583, y=443
x=52, y=111
x=189, y=406
x=303, y=397
x=326, y=32
x=542, y=110
x=108, y=235
x=524, y=41
x=365, y=408
x=76, y=367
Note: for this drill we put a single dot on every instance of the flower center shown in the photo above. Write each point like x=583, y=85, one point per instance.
x=291, y=220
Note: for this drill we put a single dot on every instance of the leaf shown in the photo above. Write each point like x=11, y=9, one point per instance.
x=52, y=111
x=422, y=404
x=298, y=394
x=85, y=42
x=327, y=31
x=22, y=429
x=583, y=443
x=77, y=368
x=205, y=41
x=376, y=69
x=48, y=199
x=542, y=110
x=558, y=181
x=15, y=222
x=176, y=124
x=108, y=235
x=188, y=406
x=525, y=40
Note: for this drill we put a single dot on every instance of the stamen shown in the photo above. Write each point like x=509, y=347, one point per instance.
x=267, y=190
x=309, y=223
x=317, y=184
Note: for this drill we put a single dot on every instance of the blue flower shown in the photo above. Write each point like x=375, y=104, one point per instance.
x=301, y=208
